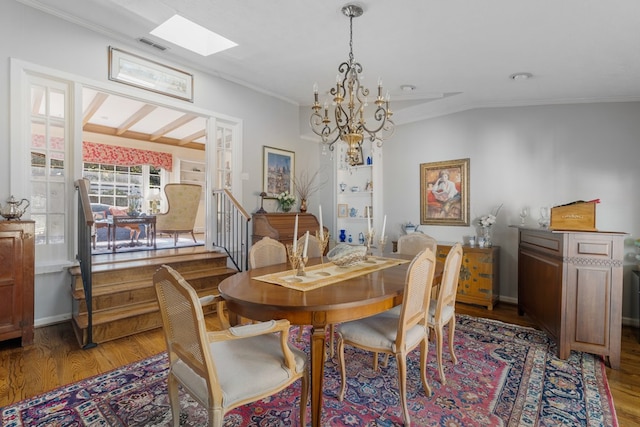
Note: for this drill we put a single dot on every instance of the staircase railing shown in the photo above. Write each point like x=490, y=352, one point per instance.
x=85, y=226
x=231, y=228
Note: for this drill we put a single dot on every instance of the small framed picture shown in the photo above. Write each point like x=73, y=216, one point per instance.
x=343, y=210
x=278, y=171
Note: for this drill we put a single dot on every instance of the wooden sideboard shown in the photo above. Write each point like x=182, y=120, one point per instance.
x=479, y=281
x=279, y=226
x=570, y=284
x=17, y=253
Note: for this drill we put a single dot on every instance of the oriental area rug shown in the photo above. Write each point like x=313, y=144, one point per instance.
x=506, y=375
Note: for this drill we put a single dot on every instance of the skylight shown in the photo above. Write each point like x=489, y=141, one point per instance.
x=189, y=35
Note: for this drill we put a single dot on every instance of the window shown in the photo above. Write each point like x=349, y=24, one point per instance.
x=49, y=168
x=224, y=157
x=127, y=186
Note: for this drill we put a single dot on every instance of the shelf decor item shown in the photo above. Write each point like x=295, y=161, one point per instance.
x=444, y=193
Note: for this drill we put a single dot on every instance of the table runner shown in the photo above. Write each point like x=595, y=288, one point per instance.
x=314, y=280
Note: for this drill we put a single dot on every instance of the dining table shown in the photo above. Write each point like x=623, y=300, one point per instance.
x=352, y=298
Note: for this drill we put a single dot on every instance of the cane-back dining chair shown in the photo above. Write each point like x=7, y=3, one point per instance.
x=267, y=252
x=388, y=333
x=442, y=310
x=223, y=369
x=413, y=243
x=313, y=247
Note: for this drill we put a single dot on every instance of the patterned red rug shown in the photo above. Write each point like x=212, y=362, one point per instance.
x=506, y=376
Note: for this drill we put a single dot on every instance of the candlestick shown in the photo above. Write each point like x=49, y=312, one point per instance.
x=382, y=242
x=368, y=221
x=321, y=227
x=306, y=244
x=297, y=263
x=384, y=225
x=295, y=235
x=322, y=243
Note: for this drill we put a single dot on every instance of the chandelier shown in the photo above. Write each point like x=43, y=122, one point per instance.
x=349, y=104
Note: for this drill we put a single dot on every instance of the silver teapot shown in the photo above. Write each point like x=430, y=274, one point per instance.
x=13, y=209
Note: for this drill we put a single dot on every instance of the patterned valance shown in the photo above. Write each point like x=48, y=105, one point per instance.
x=123, y=156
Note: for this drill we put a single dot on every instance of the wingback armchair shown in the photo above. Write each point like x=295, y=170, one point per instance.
x=183, y=201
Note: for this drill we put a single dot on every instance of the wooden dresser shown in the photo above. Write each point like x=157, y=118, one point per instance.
x=570, y=284
x=479, y=281
x=279, y=226
x=17, y=253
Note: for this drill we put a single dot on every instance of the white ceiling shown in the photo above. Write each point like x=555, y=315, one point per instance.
x=458, y=54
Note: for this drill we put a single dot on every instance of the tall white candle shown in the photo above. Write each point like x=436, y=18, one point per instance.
x=321, y=227
x=306, y=244
x=295, y=235
x=368, y=221
x=384, y=225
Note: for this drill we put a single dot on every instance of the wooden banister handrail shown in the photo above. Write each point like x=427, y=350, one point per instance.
x=83, y=191
x=235, y=203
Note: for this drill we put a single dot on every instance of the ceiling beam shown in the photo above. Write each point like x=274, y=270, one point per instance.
x=93, y=107
x=193, y=137
x=135, y=118
x=173, y=125
x=106, y=130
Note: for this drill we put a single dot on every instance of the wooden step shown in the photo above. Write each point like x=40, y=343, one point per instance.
x=123, y=297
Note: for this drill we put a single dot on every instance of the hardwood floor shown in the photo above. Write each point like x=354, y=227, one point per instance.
x=55, y=360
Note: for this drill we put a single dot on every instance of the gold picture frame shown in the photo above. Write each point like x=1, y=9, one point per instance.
x=278, y=170
x=343, y=210
x=444, y=193
x=134, y=70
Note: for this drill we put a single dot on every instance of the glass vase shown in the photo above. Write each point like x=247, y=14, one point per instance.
x=486, y=233
x=303, y=205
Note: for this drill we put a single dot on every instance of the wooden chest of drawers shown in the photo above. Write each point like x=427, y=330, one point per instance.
x=479, y=281
x=279, y=226
x=570, y=284
x=16, y=280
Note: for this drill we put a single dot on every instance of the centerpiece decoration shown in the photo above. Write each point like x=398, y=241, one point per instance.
x=486, y=223
x=286, y=201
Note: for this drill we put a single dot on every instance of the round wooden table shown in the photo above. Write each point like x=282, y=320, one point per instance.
x=351, y=299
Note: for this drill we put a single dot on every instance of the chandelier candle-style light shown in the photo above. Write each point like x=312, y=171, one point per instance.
x=349, y=103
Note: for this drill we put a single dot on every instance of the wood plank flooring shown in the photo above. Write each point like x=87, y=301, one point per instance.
x=55, y=360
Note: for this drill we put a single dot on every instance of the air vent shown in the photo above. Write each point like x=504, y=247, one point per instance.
x=152, y=44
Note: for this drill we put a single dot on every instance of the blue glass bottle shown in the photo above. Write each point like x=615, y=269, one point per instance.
x=343, y=235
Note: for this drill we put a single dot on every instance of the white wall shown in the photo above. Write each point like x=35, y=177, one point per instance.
x=44, y=40
x=533, y=156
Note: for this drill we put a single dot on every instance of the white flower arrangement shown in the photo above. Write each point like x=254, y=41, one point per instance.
x=286, y=200
x=487, y=221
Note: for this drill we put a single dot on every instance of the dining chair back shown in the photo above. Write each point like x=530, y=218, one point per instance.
x=413, y=243
x=396, y=335
x=313, y=247
x=223, y=369
x=443, y=309
x=267, y=252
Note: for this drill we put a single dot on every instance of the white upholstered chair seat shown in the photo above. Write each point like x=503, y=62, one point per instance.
x=379, y=331
x=245, y=368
